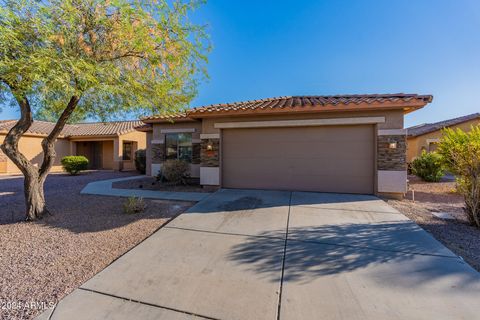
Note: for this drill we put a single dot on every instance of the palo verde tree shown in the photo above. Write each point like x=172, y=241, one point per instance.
x=93, y=58
x=460, y=152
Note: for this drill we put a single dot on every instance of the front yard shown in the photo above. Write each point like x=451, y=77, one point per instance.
x=41, y=262
x=440, y=198
x=45, y=260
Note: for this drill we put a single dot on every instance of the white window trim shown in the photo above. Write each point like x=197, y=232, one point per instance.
x=300, y=123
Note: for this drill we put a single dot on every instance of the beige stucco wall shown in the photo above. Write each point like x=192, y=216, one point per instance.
x=415, y=144
x=393, y=119
x=139, y=140
x=31, y=147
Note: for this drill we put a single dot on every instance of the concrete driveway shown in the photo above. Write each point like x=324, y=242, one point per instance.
x=249, y=254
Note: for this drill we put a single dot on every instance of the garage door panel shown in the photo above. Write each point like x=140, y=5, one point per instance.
x=300, y=165
x=299, y=149
x=271, y=175
x=328, y=159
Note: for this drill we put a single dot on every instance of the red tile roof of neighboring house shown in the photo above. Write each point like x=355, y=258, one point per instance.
x=408, y=102
x=176, y=116
x=104, y=128
x=78, y=130
x=430, y=127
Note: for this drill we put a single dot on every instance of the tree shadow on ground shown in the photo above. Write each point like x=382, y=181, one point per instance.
x=369, y=250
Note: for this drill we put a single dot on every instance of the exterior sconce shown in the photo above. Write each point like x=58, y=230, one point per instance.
x=392, y=145
x=209, y=147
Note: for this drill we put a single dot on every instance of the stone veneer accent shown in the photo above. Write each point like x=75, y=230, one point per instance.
x=210, y=158
x=158, y=152
x=196, y=153
x=392, y=159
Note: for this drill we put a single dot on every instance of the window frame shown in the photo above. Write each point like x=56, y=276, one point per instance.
x=178, y=146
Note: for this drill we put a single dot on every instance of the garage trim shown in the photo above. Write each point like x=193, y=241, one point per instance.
x=300, y=123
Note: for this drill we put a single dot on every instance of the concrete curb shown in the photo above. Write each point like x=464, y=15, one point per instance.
x=104, y=188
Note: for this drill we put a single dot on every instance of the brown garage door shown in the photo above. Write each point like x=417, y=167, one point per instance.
x=325, y=159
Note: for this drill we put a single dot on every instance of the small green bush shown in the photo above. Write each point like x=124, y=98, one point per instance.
x=428, y=166
x=134, y=205
x=74, y=164
x=141, y=160
x=175, y=171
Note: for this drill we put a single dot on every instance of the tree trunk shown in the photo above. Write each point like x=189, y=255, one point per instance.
x=34, y=198
x=34, y=178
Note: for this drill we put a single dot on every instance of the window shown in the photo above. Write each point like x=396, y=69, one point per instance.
x=127, y=150
x=178, y=146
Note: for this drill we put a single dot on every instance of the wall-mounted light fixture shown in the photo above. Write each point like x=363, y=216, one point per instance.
x=392, y=145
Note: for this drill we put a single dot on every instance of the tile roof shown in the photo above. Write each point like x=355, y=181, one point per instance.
x=308, y=103
x=104, y=128
x=79, y=129
x=176, y=116
x=418, y=130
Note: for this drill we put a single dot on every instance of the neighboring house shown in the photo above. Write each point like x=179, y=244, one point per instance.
x=109, y=145
x=347, y=143
x=426, y=136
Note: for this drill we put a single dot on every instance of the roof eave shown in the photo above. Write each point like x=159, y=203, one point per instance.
x=144, y=128
x=36, y=134
x=405, y=107
x=92, y=136
x=149, y=121
x=438, y=129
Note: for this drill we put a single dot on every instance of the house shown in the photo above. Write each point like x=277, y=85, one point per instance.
x=426, y=136
x=345, y=144
x=107, y=145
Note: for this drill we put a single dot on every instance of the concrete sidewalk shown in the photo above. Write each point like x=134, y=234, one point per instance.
x=104, y=188
x=250, y=254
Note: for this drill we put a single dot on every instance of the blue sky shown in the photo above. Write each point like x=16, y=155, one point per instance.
x=275, y=48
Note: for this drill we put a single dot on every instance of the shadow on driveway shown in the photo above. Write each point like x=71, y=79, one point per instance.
x=319, y=253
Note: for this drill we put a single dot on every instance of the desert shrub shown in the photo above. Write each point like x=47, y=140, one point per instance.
x=134, y=205
x=461, y=156
x=141, y=160
x=428, y=166
x=175, y=171
x=74, y=164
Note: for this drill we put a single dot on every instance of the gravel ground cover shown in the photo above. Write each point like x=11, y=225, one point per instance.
x=151, y=183
x=457, y=235
x=41, y=262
